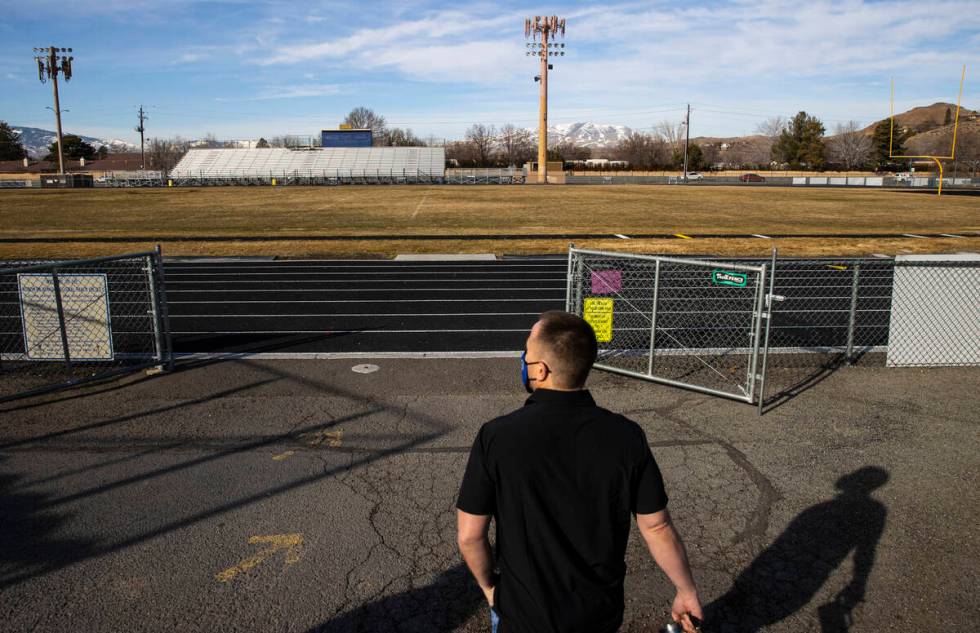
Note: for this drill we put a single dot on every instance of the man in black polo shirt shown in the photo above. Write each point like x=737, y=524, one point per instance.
x=562, y=476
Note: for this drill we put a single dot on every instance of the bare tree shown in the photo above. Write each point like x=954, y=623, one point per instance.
x=461, y=153
x=849, y=146
x=772, y=127
x=483, y=138
x=397, y=137
x=163, y=154
x=670, y=133
x=516, y=145
x=568, y=150
x=362, y=118
x=211, y=141
x=643, y=151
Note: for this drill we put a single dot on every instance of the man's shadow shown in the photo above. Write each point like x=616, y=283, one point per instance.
x=786, y=576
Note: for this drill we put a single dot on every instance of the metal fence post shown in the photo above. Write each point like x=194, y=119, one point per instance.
x=757, y=332
x=61, y=317
x=568, y=279
x=852, y=316
x=653, y=315
x=154, y=308
x=160, y=291
x=770, y=300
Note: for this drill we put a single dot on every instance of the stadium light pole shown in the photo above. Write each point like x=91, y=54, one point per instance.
x=49, y=64
x=540, y=29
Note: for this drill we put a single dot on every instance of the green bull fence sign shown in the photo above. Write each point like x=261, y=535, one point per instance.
x=729, y=278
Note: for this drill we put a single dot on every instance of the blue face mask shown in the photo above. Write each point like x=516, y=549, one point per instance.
x=525, y=379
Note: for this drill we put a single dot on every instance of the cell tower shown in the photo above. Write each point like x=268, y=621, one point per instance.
x=542, y=30
x=49, y=64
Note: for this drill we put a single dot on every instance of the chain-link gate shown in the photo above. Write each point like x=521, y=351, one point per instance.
x=70, y=322
x=683, y=322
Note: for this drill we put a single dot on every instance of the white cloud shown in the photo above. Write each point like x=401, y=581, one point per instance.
x=289, y=92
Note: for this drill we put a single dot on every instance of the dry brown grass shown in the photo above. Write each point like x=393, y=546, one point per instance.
x=295, y=211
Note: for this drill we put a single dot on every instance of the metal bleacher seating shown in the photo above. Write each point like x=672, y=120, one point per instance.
x=333, y=162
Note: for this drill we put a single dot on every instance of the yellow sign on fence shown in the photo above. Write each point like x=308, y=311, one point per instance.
x=599, y=314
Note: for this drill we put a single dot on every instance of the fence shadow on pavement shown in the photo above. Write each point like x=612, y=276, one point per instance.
x=786, y=576
x=445, y=604
x=28, y=541
x=40, y=558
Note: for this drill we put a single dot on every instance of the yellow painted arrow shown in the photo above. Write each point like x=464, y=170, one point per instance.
x=292, y=543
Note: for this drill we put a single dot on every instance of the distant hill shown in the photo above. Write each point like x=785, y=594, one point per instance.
x=927, y=118
x=36, y=141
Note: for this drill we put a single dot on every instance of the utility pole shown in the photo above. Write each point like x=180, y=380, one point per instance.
x=49, y=64
x=141, y=129
x=687, y=138
x=545, y=28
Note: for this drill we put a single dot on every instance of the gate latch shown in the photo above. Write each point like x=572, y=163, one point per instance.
x=771, y=298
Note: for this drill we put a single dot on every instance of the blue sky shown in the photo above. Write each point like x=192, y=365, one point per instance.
x=264, y=68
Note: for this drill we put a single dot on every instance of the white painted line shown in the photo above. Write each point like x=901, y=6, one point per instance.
x=921, y=237
x=396, y=267
x=952, y=235
x=345, y=355
x=321, y=289
x=419, y=205
x=389, y=272
x=765, y=237
x=373, y=314
x=621, y=236
x=384, y=300
x=332, y=331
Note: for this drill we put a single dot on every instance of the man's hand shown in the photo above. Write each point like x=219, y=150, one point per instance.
x=687, y=604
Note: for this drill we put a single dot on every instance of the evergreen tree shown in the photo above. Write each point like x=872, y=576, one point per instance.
x=801, y=143
x=262, y=143
x=10, y=145
x=948, y=118
x=880, y=144
x=75, y=148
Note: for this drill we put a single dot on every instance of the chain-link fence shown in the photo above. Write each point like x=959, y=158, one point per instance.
x=681, y=322
x=765, y=331
x=69, y=322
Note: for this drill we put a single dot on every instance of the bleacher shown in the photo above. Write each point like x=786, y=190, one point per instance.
x=331, y=162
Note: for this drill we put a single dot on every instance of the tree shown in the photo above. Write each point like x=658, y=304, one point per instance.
x=516, y=145
x=568, y=150
x=695, y=158
x=483, y=138
x=102, y=153
x=361, y=118
x=849, y=146
x=397, y=137
x=948, y=118
x=886, y=143
x=164, y=154
x=801, y=143
x=10, y=146
x=74, y=148
x=262, y=144
x=672, y=134
x=772, y=127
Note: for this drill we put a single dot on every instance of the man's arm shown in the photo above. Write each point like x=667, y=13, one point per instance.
x=474, y=545
x=668, y=551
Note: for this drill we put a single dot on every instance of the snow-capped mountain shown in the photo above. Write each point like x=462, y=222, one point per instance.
x=586, y=134
x=36, y=141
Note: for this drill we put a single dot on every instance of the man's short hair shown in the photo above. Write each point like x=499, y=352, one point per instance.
x=571, y=345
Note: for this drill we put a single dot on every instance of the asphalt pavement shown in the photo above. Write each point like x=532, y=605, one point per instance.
x=262, y=495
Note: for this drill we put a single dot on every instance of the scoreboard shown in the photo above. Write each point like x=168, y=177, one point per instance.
x=346, y=138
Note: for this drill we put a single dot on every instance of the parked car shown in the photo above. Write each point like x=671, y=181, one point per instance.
x=751, y=178
x=693, y=175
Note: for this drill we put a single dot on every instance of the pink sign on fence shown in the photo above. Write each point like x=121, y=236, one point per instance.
x=606, y=282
